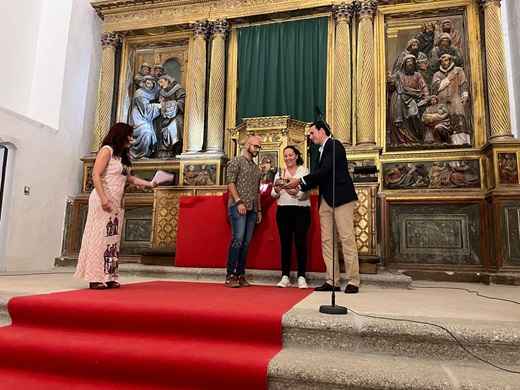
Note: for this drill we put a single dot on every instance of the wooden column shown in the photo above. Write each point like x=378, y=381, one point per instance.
x=110, y=41
x=366, y=134
x=343, y=73
x=197, y=98
x=498, y=95
x=217, y=86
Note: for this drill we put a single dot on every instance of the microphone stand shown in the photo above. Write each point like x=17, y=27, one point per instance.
x=332, y=308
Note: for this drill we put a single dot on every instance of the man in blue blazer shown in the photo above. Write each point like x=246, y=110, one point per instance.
x=342, y=201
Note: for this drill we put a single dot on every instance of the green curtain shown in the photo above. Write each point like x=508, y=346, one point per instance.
x=282, y=69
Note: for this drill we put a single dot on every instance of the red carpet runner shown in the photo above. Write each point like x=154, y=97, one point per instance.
x=145, y=336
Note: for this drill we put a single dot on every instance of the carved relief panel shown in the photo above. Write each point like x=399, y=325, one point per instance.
x=432, y=72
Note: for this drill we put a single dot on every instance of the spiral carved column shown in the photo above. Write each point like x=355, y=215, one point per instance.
x=110, y=41
x=498, y=99
x=342, y=73
x=365, y=11
x=197, y=89
x=217, y=85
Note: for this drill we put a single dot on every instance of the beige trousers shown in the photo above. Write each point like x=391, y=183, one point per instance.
x=344, y=216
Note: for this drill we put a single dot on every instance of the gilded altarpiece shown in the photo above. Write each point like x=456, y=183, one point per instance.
x=436, y=127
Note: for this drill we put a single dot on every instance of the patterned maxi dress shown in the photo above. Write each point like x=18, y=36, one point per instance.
x=99, y=254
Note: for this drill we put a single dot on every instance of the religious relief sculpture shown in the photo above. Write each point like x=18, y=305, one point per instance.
x=268, y=167
x=436, y=121
x=157, y=112
x=143, y=114
x=415, y=118
x=426, y=37
x=507, y=168
x=197, y=177
x=446, y=27
x=452, y=89
x=408, y=93
x=172, y=98
x=428, y=175
x=144, y=70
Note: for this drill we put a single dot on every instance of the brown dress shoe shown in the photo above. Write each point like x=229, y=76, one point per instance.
x=243, y=282
x=351, y=289
x=231, y=281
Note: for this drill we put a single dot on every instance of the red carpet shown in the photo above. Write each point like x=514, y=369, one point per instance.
x=204, y=233
x=145, y=336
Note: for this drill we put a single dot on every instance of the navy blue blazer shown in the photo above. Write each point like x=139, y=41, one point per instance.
x=322, y=176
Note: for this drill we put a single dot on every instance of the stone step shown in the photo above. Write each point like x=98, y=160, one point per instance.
x=383, y=278
x=319, y=368
x=411, y=336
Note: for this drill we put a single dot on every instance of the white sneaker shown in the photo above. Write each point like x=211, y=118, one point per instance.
x=302, y=283
x=285, y=282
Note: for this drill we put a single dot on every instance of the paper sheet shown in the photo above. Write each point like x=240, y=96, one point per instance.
x=161, y=177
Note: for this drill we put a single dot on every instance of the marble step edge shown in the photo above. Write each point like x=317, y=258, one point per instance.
x=297, y=369
x=497, y=341
x=383, y=278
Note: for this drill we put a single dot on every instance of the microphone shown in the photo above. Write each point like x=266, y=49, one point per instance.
x=318, y=112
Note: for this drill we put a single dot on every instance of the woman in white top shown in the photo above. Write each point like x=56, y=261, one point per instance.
x=293, y=216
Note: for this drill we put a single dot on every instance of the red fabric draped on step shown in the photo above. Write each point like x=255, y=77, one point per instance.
x=204, y=234
x=145, y=335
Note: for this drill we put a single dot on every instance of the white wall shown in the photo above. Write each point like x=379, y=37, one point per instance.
x=47, y=139
x=18, y=47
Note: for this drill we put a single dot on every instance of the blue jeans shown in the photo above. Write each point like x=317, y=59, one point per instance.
x=242, y=227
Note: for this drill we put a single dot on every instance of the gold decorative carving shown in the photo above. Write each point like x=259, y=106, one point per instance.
x=364, y=219
x=276, y=132
x=166, y=217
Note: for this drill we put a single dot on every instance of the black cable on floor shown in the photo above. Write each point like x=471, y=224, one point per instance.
x=443, y=328
x=456, y=288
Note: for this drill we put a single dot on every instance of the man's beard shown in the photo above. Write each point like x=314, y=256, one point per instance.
x=443, y=50
x=409, y=70
x=414, y=52
x=446, y=30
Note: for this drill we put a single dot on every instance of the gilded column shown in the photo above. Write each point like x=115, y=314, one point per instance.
x=342, y=73
x=197, y=89
x=217, y=86
x=365, y=11
x=110, y=41
x=498, y=95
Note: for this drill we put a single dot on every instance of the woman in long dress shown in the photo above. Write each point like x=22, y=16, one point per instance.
x=99, y=254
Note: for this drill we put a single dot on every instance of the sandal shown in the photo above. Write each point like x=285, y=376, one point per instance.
x=113, y=284
x=97, y=286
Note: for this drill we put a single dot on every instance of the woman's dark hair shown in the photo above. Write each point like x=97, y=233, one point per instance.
x=117, y=139
x=299, y=158
x=321, y=125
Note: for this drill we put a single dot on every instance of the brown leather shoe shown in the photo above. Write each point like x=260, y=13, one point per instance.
x=243, y=282
x=232, y=282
